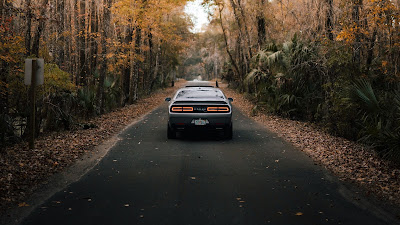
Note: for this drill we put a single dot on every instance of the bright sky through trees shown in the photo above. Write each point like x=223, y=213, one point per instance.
x=198, y=15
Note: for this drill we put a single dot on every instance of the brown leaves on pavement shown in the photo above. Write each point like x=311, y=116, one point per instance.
x=22, y=170
x=348, y=160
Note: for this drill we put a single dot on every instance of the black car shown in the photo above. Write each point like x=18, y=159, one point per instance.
x=199, y=108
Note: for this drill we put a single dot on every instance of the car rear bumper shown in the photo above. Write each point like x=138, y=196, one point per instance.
x=213, y=121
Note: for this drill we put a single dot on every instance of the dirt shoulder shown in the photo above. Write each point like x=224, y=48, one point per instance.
x=351, y=162
x=23, y=171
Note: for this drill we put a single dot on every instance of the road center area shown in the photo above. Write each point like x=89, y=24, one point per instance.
x=256, y=178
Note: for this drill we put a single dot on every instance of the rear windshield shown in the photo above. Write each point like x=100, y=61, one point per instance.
x=200, y=93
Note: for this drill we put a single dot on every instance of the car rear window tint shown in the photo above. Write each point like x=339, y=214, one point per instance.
x=200, y=93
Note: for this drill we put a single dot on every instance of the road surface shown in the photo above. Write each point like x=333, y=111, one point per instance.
x=256, y=178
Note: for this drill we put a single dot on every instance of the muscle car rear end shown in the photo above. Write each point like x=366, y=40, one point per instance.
x=199, y=108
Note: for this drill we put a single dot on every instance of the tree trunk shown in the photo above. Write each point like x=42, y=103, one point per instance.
x=28, y=34
x=156, y=66
x=68, y=58
x=357, y=42
x=150, y=64
x=329, y=19
x=133, y=90
x=82, y=44
x=127, y=69
x=249, y=54
x=39, y=30
x=371, y=47
x=60, y=33
x=103, y=72
x=93, y=33
x=236, y=68
x=261, y=25
x=75, y=44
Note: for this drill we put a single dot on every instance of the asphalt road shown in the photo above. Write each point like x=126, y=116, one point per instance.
x=256, y=178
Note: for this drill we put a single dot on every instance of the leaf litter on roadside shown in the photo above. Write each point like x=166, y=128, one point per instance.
x=350, y=161
x=22, y=170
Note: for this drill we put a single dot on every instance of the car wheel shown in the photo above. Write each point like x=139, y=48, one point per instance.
x=171, y=134
x=229, y=132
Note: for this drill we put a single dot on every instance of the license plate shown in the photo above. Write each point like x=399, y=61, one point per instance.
x=199, y=122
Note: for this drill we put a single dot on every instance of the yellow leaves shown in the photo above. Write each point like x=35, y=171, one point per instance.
x=347, y=34
x=55, y=80
x=23, y=204
x=110, y=55
x=11, y=48
x=385, y=65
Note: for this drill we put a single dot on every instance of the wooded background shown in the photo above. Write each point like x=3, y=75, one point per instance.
x=331, y=62
x=99, y=55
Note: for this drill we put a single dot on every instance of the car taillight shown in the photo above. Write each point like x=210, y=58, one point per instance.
x=218, y=109
x=182, y=109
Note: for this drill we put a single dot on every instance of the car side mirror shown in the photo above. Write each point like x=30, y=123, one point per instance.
x=167, y=99
x=230, y=99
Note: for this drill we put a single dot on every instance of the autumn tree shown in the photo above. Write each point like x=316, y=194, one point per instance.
x=114, y=52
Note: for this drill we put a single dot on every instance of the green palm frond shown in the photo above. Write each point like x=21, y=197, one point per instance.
x=364, y=92
x=255, y=76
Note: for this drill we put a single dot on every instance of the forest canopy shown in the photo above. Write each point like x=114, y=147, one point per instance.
x=99, y=55
x=332, y=62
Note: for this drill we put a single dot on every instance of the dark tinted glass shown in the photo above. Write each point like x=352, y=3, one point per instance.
x=200, y=93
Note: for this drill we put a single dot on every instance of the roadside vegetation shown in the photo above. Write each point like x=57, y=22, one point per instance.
x=99, y=56
x=333, y=62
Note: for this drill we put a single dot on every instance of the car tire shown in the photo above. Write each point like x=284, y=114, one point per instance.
x=171, y=134
x=229, y=133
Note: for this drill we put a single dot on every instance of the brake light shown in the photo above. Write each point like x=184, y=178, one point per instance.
x=223, y=109
x=182, y=109
x=212, y=109
x=218, y=109
x=176, y=109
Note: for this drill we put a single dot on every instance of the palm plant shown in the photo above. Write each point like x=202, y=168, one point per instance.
x=111, y=92
x=380, y=126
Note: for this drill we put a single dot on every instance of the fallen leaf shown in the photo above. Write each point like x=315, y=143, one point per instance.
x=23, y=204
x=299, y=214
